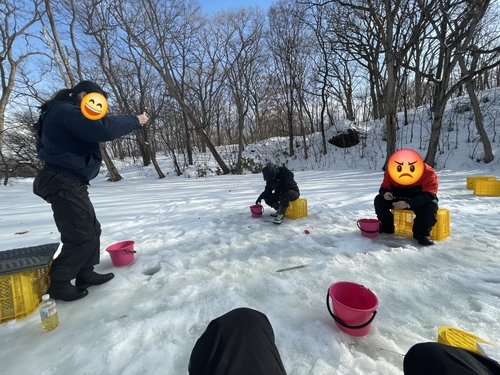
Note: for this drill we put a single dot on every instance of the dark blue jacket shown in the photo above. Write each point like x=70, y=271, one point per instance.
x=68, y=142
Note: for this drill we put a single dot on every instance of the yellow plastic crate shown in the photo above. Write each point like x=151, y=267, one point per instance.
x=403, y=223
x=471, y=181
x=460, y=339
x=20, y=293
x=24, y=279
x=297, y=209
x=491, y=188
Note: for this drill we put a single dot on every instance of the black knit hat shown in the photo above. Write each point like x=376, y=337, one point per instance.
x=88, y=86
x=270, y=172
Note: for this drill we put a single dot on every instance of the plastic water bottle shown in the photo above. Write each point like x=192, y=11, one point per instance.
x=48, y=313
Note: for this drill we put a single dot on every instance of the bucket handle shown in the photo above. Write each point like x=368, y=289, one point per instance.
x=130, y=251
x=341, y=322
x=369, y=231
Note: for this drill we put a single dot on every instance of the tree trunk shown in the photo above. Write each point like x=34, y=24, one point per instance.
x=189, y=148
x=113, y=172
x=438, y=110
x=391, y=119
x=290, y=123
x=488, y=152
x=147, y=149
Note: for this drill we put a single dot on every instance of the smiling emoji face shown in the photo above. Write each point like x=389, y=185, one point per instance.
x=94, y=106
x=405, y=167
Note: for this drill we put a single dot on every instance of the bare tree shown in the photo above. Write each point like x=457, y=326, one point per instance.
x=62, y=57
x=476, y=64
x=287, y=42
x=150, y=25
x=393, y=27
x=18, y=17
x=242, y=31
x=20, y=144
x=454, y=24
x=129, y=76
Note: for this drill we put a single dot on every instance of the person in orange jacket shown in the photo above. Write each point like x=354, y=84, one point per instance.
x=408, y=183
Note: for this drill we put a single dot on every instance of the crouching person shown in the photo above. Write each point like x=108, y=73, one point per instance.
x=279, y=191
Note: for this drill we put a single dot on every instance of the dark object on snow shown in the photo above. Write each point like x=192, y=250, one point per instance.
x=346, y=139
x=434, y=358
x=26, y=258
x=240, y=342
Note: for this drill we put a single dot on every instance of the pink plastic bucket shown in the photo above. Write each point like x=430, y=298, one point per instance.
x=257, y=210
x=369, y=227
x=121, y=253
x=354, y=307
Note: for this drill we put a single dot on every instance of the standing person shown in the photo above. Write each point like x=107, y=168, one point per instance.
x=68, y=143
x=280, y=189
x=240, y=342
x=408, y=183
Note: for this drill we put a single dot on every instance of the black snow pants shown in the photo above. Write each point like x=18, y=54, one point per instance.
x=425, y=216
x=282, y=200
x=432, y=358
x=240, y=342
x=75, y=219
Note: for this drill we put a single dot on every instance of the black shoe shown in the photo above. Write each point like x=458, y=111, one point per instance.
x=93, y=279
x=65, y=291
x=279, y=219
x=423, y=240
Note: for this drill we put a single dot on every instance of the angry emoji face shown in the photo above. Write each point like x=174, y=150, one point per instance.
x=94, y=106
x=405, y=167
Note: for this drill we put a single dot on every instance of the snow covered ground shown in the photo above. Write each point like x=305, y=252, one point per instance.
x=201, y=254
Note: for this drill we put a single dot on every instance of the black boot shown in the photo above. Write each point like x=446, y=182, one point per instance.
x=93, y=279
x=65, y=291
x=423, y=240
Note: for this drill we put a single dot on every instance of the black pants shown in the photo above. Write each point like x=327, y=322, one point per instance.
x=75, y=219
x=432, y=358
x=425, y=216
x=240, y=342
x=283, y=199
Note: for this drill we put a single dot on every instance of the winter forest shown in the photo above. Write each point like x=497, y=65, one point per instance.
x=237, y=77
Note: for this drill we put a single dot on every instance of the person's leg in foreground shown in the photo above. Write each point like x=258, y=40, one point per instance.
x=433, y=358
x=240, y=342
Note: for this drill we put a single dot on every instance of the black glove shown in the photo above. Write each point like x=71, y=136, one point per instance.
x=258, y=199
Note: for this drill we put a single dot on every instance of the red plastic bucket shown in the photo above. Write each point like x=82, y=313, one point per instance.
x=369, y=227
x=121, y=253
x=354, y=307
x=257, y=210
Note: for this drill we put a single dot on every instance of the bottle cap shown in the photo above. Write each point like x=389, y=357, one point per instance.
x=45, y=297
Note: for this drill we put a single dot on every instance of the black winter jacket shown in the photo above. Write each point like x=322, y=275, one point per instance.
x=68, y=142
x=282, y=182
